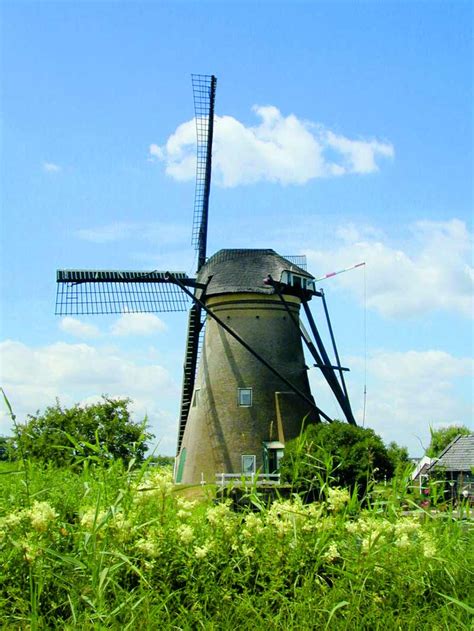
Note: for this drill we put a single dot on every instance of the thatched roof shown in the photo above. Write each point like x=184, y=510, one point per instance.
x=242, y=271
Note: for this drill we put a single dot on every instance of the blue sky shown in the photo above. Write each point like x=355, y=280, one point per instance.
x=343, y=131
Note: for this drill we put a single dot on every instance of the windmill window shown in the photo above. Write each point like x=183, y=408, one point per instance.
x=295, y=280
x=245, y=397
x=249, y=464
x=196, y=397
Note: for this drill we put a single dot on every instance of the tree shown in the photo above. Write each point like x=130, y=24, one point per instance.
x=5, y=448
x=64, y=435
x=398, y=456
x=336, y=453
x=440, y=438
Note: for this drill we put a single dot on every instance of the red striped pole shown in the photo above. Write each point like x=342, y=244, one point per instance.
x=331, y=274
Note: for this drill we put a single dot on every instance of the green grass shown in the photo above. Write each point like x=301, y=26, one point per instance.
x=108, y=548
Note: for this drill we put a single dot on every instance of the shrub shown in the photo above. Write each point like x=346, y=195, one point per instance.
x=336, y=453
x=101, y=431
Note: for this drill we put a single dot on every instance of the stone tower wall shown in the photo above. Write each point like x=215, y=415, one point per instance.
x=219, y=431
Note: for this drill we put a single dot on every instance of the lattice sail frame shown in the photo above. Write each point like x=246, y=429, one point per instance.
x=91, y=292
x=204, y=89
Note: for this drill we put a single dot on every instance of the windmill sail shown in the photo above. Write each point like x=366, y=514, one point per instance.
x=204, y=91
x=83, y=292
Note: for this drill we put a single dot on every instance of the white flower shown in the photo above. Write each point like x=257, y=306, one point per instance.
x=428, y=545
x=185, y=533
x=148, y=547
x=91, y=518
x=41, y=514
x=200, y=552
x=338, y=498
x=331, y=553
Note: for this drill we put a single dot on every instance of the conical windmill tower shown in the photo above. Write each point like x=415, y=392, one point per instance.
x=248, y=393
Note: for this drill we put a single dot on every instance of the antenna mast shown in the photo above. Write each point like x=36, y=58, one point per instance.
x=204, y=92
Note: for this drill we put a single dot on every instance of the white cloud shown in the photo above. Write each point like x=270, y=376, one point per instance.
x=50, y=167
x=358, y=156
x=406, y=394
x=78, y=329
x=137, y=324
x=283, y=149
x=79, y=373
x=432, y=271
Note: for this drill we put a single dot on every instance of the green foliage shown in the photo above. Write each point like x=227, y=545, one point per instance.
x=440, y=438
x=398, y=457
x=161, y=461
x=121, y=548
x=335, y=453
x=101, y=431
x=5, y=448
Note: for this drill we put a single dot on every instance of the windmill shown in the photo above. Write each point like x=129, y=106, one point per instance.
x=245, y=389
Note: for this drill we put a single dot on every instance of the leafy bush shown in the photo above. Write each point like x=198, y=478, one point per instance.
x=102, y=431
x=335, y=453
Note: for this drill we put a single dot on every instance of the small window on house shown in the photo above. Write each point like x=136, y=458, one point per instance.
x=245, y=397
x=196, y=397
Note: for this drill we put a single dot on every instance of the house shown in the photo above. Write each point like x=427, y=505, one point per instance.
x=456, y=465
x=420, y=472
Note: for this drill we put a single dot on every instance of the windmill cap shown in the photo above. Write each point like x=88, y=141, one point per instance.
x=244, y=271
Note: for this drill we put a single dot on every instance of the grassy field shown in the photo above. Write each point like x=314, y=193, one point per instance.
x=110, y=548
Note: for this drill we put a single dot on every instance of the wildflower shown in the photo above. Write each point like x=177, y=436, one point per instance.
x=406, y=527
x=352, y=527
x=337, y=499
x=30, y=551
x=185, y=533
x=185, y=504
x=218, y=514
x=222, y=516
x=13, y=519
x=284, y=516
x=428, y=546
x=158, y=485
x=253, y=525
x=200, y=552
x=248, y=551
x=41, y=514
x=331, y=553
x=148, y=547
x=123, y=527
x=403, y=541
x=162, y=481
x=91, y=518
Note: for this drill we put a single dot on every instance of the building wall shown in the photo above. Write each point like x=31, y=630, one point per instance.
x=219, y=431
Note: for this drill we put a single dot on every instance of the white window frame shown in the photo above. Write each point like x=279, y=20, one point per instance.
x=254, y=463
x=240, y=392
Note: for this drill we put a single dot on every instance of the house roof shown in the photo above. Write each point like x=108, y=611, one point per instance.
x=421, y=467
x=243, y=271
x=458, y=455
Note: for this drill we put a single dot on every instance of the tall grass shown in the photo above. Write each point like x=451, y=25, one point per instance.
x=121, y=548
